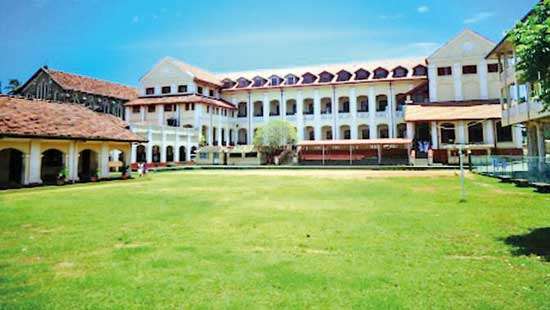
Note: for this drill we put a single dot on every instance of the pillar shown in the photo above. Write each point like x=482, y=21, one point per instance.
x=265, y=104
x=432, y=77
x=142, y=113
x=460, y=133
x=410, y=130
x=541, y=151
x=160, y=115
x=483, y=86
x=133, y=152
x=457, y=79
x=188, y=148
x=71, y=162
x=163, y=147
x=103, y=161
x=434, y=132
x=35, y=161
x=177, y=146
x=353, y=111
x=149, y=146
x=489, y=132
x=300, y=116
x=317, y=114
x=373, y=134
x=517, y=136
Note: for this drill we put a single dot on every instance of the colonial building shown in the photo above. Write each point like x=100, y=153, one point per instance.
x=97, y=95
x=41, y=139
x=444, y=101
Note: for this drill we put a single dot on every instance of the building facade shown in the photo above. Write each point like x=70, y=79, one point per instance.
x=181, y=106
x=97, y=95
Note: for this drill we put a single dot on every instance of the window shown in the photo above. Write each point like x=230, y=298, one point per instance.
x=475, y=133
x=291, y=79
x=199, y=90
x=325, y=77
x=399, y=72
x=192, y=107
x=242, y=82
x=203, y=155
x=275, y=80
x=135, y=109
x=227, y=83
x=419, y=70
x=469, y=69
x=343, y=76
x=441, y=71
x=504, y=134
x=169, y=107
x=380, y=73
x=165, y=89
x=308, y=78
x=491, y=68
x=447, y=133
x=361, y=74
x=211, y=93
x=150, y=91
x=151, y=109
x=182, y=88
x=258, y=81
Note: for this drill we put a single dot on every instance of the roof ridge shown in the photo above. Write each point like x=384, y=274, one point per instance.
x=90, y=78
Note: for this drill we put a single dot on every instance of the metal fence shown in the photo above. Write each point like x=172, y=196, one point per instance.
x=534, y=169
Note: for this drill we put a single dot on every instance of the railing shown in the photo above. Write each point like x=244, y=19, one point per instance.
x=532, y=168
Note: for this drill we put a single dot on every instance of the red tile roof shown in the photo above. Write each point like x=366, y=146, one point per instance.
x=92, y=86
x=181, y=99
x=36, y=118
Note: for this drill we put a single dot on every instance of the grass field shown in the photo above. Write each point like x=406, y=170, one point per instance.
x=247, y=240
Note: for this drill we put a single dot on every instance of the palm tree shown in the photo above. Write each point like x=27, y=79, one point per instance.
x=13, y=84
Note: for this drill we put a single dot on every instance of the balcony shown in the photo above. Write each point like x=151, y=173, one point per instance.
x=522, y=112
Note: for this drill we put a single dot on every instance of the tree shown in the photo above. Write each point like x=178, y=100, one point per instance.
x=13, y=84
x=531, y=38
x=272, y=138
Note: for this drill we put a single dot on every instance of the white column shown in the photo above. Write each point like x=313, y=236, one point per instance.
x=517, y=136
x=72, y=162
x=188, y=148
x=460, y=132
x=410, y=130
x=219, y=133
x=353, y=111
x=133, y=154
x=457, y=79
x=127, y=112
x=142, y=113
x=266, y=106
x=177, y=145
x=432, y=77
x=149, y=146
x=391, y=114
x=334, y=110
x=483, y=86
x=540, y=141
x=104, y=161
x=226, y=134
x=160, y=115
x=283, y=105
x=373, y=134
x=317, y=114
x=26, y=168
x=488, y=132
x=163, y=147
x=300, y=116
x=35, y=161
x=435, y=136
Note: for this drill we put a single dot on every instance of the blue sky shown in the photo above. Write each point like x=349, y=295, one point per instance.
x=121, y=40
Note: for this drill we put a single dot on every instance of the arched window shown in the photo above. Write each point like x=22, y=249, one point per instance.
x=447, y=133
x=290, y=107
x=475, y=132
x=362, y=104
x=11, y=165
x=291, y=79
x=345, y=132
x=383, y=131
x=326, y=132
x=401, y=130
x=169, y=153
x=183, y=154
x=400, y=100
x=308, y=106
x=242, y=109
x=380, y=73
x=363, y=132
x=258, y=108
x=343, y=105
x=326, y=105
x=381, y=103
x=309, y=133
x=274, y=107
x=275, y=80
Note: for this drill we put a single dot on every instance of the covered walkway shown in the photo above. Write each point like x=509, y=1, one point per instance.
x=358, y=152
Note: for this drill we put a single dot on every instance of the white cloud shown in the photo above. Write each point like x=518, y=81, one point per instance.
x=135, y=19
x=390, y=17
x=423, y=9
x=479, y=17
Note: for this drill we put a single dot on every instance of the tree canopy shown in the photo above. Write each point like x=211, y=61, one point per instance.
x=531, y=38
x=272, y=138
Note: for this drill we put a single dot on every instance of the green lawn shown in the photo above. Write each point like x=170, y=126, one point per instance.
x=176, y=240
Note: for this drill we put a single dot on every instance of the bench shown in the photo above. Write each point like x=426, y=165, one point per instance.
x=541, y=187
x=505, y=178
x=521, y=182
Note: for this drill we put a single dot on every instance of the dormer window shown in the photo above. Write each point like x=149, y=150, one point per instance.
x=275, y=80
x=399, y=72
x=419, y=71
x=380, y=73
x=242, y=83
x=199, y=90
x=165, y=89
x=291, y=79
x=361, y=74
x=325, y=77
x=308, y=78
x=227, y=83
x=259, y=81
x=150, y=91
x=343, y=76
x=182, y=88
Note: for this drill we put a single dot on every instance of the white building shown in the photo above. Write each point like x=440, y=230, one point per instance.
x=180, y=104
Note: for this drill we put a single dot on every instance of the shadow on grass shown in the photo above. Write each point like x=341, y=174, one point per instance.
x=536, y=242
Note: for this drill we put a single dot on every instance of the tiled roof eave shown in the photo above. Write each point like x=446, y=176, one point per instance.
x=62, y=137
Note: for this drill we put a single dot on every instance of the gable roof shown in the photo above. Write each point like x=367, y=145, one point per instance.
x=75, y=82
x=20, y=117
x=459, y=36
x=198, y=73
